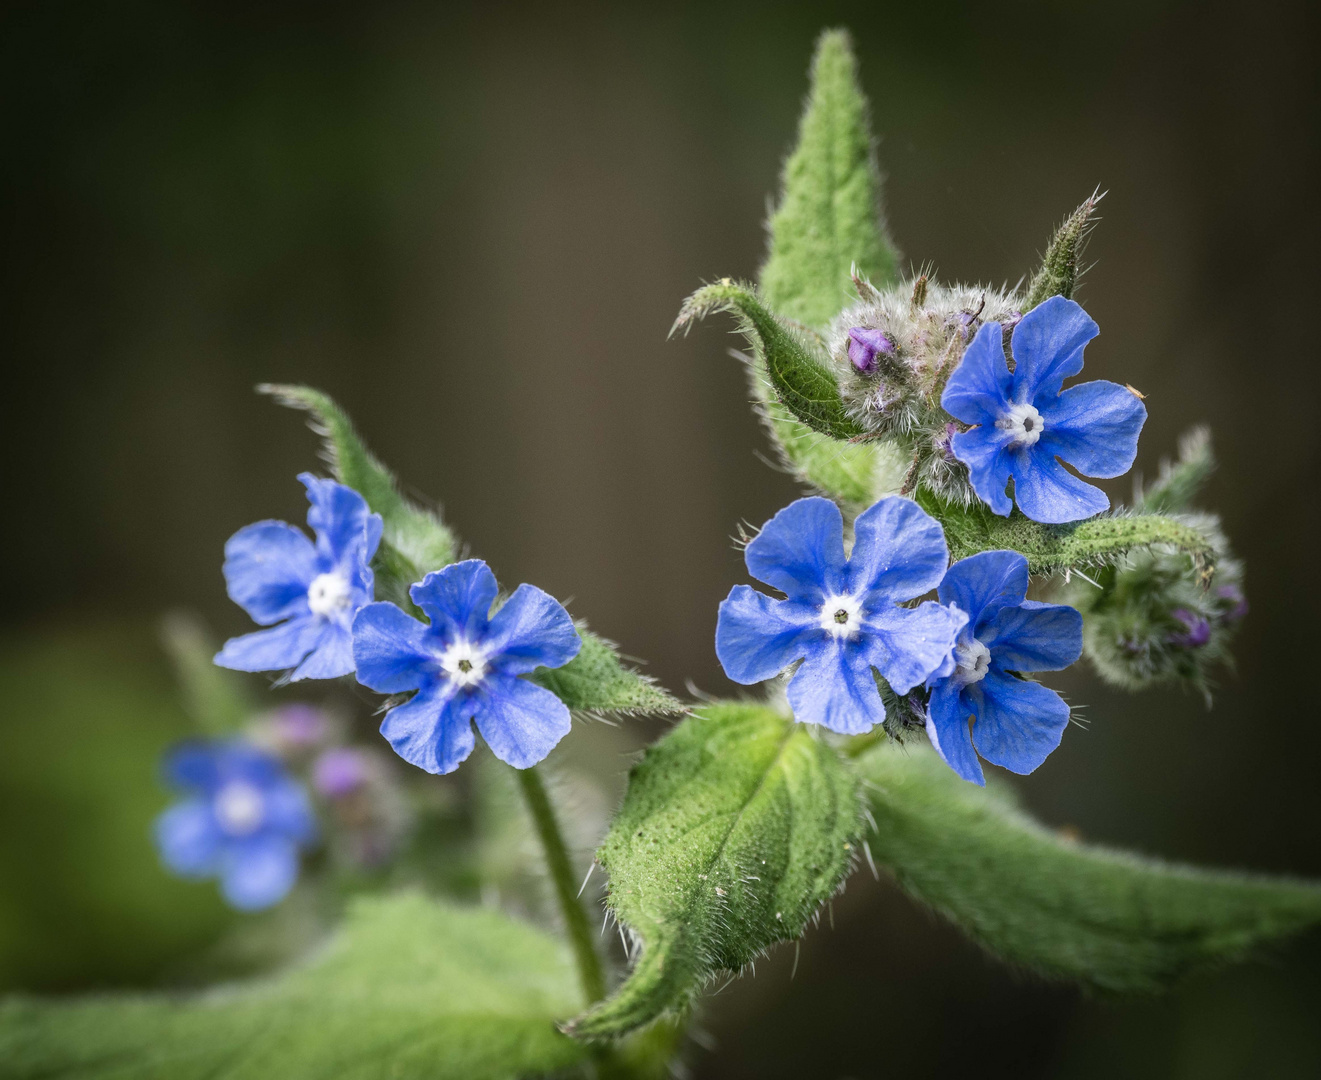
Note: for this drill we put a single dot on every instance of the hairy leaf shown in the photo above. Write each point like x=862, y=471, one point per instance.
x=1059, y=272
x=414, y=541
x=214, y=697
x=829, y=217
x=736, y=827
x=1181, y=480
x=597, y=681
x=1109, y=920
x=408, y=988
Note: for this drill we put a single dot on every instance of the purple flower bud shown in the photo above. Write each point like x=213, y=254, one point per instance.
x=944, y=443
x=1234, y=595
x=298, y=726
x=866, y=344
x=1199, y=630
x=340, y=772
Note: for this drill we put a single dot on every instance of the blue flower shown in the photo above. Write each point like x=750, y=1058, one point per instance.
x=243, y=820
x=1024, y=421
x=275, y=574
x=465, y=667
x=841, y=616
x=1016, y=723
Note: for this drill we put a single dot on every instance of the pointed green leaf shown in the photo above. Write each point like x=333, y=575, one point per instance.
x=408, y=988
x=829, y=217
x=597, y=681
x=414, y=541
x=736, y=827
x=1059, y=272
x=215, y=698
x=1103, y=918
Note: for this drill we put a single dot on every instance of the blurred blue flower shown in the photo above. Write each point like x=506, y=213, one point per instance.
x=275, y=574
x=841, y=616
x=1016, y=723
x=243, y=820
x=465, y=667
x=1024, y=421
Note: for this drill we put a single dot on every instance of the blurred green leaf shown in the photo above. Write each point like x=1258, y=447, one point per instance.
x=407, y=988
x=214, y=697
x=736, y=827
x=597, y=681
x=1103, y=918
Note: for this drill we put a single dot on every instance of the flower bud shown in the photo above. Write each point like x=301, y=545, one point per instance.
x=866, y=345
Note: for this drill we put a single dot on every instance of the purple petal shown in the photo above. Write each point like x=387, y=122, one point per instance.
x=458, y=598
x=988, y=580
x=757, y=636
x=392, y=650
x=864, y=346
x=1034, y=637
x=1094, y=427
x=907, y=645
x=983, y=450
x=800, y=551
x=433, y=729
x=188, y=838
x=268, y=567
x=520, y=721
x=1047, y=492
x=899, y=550
x=531, y=630
x=978, y=390
x=1018, y=722
x=1048, y=345
x=947, y=728
x=259, y=872
x=835, y=688
x=278, y=649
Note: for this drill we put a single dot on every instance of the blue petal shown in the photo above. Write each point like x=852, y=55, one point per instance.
x=391, y=651
x=983, y=450
x=800, y=551
x=345, y=531
x=277, y=649
x=757, y=636
x=433, y=729
x=1047, y=492
x=947, y=728
x=268, y=567
x=457, y=599
x=835, y=688
x=983, y=583
x=978, y=390
x=192, y=765
x=899, y=550
x=259, y=872
x=531, y=630
x=1048, y=344
x=331, y=656
x=520, y=721
x=1018, y=723
x=237, y=759
x=188, y=838
x=287, y=811
x=1034, y=637
x=1094, y=427
x=906, y=645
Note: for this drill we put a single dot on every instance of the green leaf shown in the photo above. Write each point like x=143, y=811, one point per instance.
x=1059, y=272
x=829, y=217
x=736, y=827
x=1110, y=920
x=215, y=699
x=597, y=681
x=1181, y=480
x=408, y=988
x=414, y=541
x=1098, y=541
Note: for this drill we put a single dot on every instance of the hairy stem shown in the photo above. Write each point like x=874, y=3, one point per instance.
x=590, y=972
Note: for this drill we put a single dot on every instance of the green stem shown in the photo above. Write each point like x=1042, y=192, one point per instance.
x=590, y=973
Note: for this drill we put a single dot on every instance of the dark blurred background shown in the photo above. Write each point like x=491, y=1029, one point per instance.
x=473, y=228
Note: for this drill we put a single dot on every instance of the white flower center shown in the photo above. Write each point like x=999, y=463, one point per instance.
x=1023, y=423
x=971, y=662
x=464, y=663
x=239, y=808
x=328, y=594
x=841, y=616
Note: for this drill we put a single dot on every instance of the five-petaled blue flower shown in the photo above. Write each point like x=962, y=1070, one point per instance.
x=1015, y=723
x=1024, y=422
x=243, y=820
x=277, y=575
x=465, y=666
x=841, y=616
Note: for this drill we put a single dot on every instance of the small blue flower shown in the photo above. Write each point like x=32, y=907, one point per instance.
x=243, y=820
x=1024, y=421
x=465, y=667
x=275, y=574
x=1015, y=723
x=841, y=616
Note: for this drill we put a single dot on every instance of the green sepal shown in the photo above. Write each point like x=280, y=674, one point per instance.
x=736, y=827
x=408, y=988
x=215, y=699
x=414, y=541
x=829, y=217
x=1098, y=541
x=1059, y=271
x=798, y=370
x=598, y=681
x=1109, y=920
